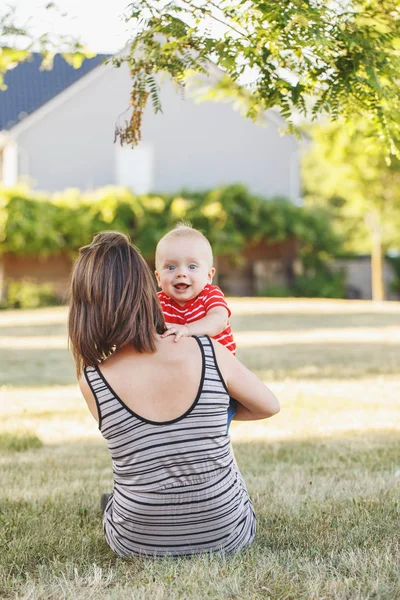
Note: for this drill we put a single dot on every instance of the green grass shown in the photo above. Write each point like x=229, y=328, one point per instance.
x=324, y=474
x=19, y=442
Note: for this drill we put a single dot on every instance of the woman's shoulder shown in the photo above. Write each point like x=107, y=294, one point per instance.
x=166, y=349
x=185, y=344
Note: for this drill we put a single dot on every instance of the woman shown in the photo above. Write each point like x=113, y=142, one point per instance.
x=162, y=407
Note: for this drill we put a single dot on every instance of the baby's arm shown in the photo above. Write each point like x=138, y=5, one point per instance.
x=215, y=321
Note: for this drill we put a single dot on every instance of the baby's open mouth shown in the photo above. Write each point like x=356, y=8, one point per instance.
x=181, y=286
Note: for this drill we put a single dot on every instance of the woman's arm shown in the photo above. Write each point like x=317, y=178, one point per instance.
x=255, y=399
x=88, y=395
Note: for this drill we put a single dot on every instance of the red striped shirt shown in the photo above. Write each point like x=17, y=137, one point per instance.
x=196, y=309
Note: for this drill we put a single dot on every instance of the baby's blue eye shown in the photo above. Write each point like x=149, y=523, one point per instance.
x=192, y=267
x=170, y=267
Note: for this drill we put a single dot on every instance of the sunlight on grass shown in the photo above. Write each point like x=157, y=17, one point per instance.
x=308, y=409
x=34, y=343
x=317, y=407
x=321, y=409
x=315, y=306
x=49, y=316
x=324, y=474
x=389, y=335
x=55, y=414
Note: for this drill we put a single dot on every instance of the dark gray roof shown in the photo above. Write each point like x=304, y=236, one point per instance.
x=28, y=88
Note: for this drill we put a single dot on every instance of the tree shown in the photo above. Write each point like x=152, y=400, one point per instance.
x=347, y=173
x=17, y=44
x=308, y=57
x=304, y=57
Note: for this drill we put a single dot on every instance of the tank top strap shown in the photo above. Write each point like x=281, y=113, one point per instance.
x=206, y=344
x=106, y=401
x=212, y=374
x=95, y=382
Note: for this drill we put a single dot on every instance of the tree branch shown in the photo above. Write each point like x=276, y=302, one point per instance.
x=210, y=14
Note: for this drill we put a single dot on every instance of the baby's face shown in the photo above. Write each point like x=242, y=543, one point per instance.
x=183, y=267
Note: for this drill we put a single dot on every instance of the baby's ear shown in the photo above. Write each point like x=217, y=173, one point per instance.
x=158, y=278
x=211, y=274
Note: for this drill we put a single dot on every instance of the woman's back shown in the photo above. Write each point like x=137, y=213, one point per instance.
x=159, y=386
x=177, y=489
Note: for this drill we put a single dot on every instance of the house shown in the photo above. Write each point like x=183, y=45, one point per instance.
x=57, y=131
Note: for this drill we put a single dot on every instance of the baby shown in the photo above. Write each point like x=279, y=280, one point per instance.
x=191, y=305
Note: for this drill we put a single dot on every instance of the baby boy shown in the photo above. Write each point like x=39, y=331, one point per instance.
x=190, y=303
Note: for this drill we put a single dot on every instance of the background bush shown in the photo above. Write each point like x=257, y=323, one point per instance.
x=32, y=223
x=26, y=294
x=19, y=441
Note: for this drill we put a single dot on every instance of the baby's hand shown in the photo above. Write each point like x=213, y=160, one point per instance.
x=177, y=330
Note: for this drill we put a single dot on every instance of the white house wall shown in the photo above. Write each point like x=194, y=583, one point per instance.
x=193, y=145
x=71, y=145
x=202, y=145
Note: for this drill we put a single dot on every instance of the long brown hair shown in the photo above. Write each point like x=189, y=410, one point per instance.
x=113, y=301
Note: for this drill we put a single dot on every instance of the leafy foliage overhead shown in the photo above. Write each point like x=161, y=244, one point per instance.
x=305, y=57
x=346, y=174
x=17, y=43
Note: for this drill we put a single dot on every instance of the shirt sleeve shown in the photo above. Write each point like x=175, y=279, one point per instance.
x=214, y=298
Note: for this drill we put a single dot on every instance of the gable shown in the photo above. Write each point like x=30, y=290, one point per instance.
x=28, y=88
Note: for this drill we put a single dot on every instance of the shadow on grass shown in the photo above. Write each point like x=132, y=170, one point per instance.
x=41, y=330
x=375, y=452
x=36, y=367
x=308, y=524
x=315, y=361
x=62, y=519
x=54, y=366
x=264, y=322
x=321, y=530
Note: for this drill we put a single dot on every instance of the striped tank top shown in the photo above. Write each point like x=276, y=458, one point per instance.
x=177, y=488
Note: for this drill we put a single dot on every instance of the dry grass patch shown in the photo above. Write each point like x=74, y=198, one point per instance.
x=324, y=474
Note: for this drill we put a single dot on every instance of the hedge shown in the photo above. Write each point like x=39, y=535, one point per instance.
x=33, y=223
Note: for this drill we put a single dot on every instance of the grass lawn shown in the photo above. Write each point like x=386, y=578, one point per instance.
x=324, y=474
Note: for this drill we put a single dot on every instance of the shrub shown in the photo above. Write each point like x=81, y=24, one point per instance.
x=394, y=262
x=231, y=217
x=276, y=291
x=322, y=284
x=26, y=294
x=19, y=442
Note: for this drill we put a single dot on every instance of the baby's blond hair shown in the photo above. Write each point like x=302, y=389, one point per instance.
x=181, y=230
